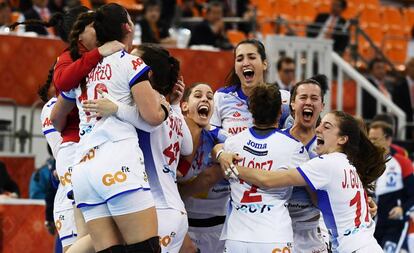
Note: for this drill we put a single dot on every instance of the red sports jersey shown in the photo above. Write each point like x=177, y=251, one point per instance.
x=68, y=74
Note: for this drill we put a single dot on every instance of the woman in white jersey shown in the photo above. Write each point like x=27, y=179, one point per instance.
x=349, y=164
x=258, y=218
x=162, y=146
x=306, y=102
x=203, y=188
x=106, y=183
x=231, y=112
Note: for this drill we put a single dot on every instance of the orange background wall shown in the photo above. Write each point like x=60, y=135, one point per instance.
x=22, y=229
x=25, y=62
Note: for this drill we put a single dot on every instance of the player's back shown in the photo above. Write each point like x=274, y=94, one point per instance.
x=261, y=215
x=115, y=74
x=342, y=200
x=162, y=149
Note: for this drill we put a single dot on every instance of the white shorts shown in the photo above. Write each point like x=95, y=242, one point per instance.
x=124, y=203
x=65, y=226
x=64, y=164
x=172, y=228
x=61, y=201
x=254, y=247
x=207, y=239
x=108, y=170
x=309, y=240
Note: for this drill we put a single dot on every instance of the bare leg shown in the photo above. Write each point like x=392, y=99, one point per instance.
x=138, y=226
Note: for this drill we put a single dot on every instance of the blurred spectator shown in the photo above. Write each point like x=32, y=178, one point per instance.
x=211, y=30
x=409, y=78
x=390, y=120
x=38, y=11
x=332, y=26
x=152, y=29
x=5, y=16
x=410, y=46
x=8, y=188
x=189, y=9
x=286, y=73
x=40, y=180
x=377, y=72
x=57, y=6
x=168, y=9
x=401, y=93
x=394, y=189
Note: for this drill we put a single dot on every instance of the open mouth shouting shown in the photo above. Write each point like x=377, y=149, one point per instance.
x=319, y=141
x=307, y=114
x=248, y=74
x=203, y=111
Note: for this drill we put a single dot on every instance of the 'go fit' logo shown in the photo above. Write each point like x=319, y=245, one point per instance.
x=119, y=176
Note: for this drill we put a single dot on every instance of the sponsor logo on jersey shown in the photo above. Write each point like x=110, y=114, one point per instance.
x=363, y=226
x=286, y=249
x=236, y=130
x=166, y=240
x=89, y=156
x=253, y=208
x=58, y=225
x=66, y=179
x=118, y=177
x=167, y=170
x=85, y=130
x=236, y=114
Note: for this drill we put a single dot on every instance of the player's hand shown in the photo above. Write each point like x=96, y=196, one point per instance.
x=372, y=207
x=110, y=47
x=228, y=159
x=178, y=91
x=102, y=107
x=396, y=213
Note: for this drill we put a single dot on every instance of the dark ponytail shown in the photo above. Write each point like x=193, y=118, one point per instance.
x=43, y=91
x=165, y=68
x=368, y=159
x=84, y=20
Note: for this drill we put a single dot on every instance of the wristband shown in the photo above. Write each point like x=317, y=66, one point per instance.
x=219, y=153
x=164, y=108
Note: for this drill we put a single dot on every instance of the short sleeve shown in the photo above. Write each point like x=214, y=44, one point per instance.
x=216, y=118
x=316, y=172
x=134, y=67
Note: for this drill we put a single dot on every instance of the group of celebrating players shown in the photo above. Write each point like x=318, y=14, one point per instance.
x=148, y=165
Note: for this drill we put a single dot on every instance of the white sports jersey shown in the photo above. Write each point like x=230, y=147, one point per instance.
x=300, y=204
x=162, y=149
x=115, y=74
x=342, y=200
x=260, y=215
x=231, y=111
x=213, y=202
x=53, y=137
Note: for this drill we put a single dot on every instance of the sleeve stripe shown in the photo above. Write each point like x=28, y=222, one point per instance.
x=132, y=82
x=66, y=97
x=49, y=131
x=306, y=178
